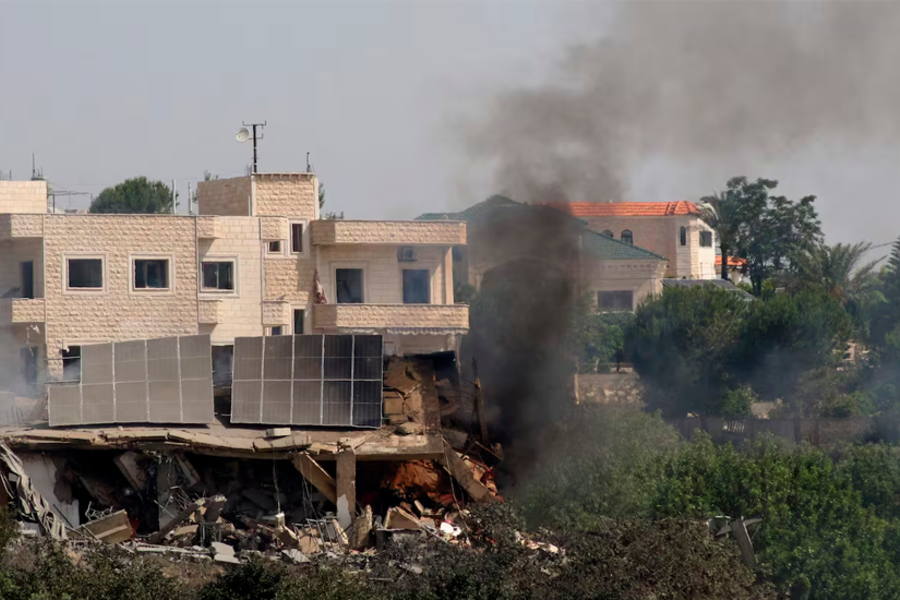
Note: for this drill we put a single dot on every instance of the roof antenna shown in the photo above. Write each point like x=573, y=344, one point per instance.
x=308, y=164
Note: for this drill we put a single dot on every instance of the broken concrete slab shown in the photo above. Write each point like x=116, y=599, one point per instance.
x=316, y=475
x=358, y=533
x=278, y=432
x=393, y=405
x=127, y=463
x=295, y=556
x=464, y=476
x=111, y=529
x=221, y=548
x=397, y=518
x=176, y=521
x=409, y=428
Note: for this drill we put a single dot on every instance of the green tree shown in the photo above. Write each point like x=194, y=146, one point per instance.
x=135, y=196
x=722, y=212
x=598, y=338
x=788, y=336
x=681, y=343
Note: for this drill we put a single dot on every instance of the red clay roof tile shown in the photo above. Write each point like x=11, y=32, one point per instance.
x=629, y=209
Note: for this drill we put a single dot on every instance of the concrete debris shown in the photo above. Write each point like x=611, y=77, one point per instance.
x=278, y=432
x=29, y=501
x=409, y=428
x=111, y=529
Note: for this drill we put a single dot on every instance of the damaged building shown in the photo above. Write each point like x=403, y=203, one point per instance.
x=253, y=374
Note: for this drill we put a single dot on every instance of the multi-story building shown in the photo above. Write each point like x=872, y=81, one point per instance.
x=538, y=246
x=671, y=229
x=256, y=260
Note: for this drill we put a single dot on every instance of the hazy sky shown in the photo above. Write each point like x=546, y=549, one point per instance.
x=105, y=91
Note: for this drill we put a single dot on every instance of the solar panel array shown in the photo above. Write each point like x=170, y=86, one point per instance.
x=164, y=380
x=308, y=380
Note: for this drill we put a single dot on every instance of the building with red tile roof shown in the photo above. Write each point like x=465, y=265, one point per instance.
x=671, y=229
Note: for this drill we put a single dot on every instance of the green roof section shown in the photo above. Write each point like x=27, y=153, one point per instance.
x=607, y=248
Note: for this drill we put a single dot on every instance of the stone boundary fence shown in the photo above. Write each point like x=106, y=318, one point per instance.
x=818, y=432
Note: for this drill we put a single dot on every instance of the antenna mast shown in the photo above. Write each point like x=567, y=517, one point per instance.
x=253, y=127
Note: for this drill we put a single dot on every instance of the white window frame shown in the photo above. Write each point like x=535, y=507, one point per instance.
x=170, y=275
x=269, y=252
x=220, y=258
x=304, y=241
x=351, y=265
x=102, y=256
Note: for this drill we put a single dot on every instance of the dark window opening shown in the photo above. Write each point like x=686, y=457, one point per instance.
x=349, y=286
x=706, y=239
x=299, y=317
x=684, y=236
x=71, y=360
x=222, y=359
x=416, y=286
x=297, y=237
x=30, y=364
x=457, y=254
x=276, y=330
x=28, y=279
x=218, y=275
x=275, y=247
x=608, y=234
x=85, y=273
x=151, y=274
x=627, y=237
x=620, y=300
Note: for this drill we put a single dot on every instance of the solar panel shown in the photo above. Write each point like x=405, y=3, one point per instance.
x=164, y=380
x=331, y=380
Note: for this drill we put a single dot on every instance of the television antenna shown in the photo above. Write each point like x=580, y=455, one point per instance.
x=245, y=134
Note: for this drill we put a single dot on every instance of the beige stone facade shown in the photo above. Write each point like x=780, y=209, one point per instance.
x=662, y=235
x=246, y=266
x=23, y=197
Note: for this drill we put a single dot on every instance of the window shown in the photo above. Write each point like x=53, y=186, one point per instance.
x=627, y=237
x=299, y=317
x=275, y=330
x=297, y=238
x=608, y=234
x=30, y=364
x=151, y=274
x=275, y=247
x=416, y=286
x=71, y=361
x=684, y=236
x=612, y=301
x=706, y=239
x=84, y=273
x=28, y=279
x=349, y=286
x=218, y=275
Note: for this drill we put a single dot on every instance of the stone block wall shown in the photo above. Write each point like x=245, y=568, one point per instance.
x=23, y=197
x=641, y=277
x=225, y=197
x=287, y=195
x=118, y=312
x=615, y=389
x=450, y=233
x=391, y=316
x=239, y=311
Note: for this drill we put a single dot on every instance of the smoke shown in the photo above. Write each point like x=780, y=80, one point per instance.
x=698, y=82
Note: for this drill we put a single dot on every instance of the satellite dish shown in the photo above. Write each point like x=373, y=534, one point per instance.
x=243, y=134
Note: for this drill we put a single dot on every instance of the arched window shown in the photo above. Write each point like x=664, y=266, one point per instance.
x=684, y=236
x=609, y=234
x=627, y=237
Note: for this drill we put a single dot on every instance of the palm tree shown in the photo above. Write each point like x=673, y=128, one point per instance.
x=722, y=213
x=838, y=270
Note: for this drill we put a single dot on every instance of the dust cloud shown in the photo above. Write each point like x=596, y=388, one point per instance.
x=693, y=81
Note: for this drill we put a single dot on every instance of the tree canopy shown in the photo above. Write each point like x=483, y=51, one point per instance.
x=135, y=196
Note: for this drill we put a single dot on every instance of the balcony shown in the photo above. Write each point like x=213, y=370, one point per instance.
x=209, y=228
x=21, y=310
x=21, y=226
x=395, y=318
x=275, y=313
x=402, y=233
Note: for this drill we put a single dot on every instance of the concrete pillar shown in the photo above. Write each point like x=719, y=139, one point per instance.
x=346, y=487
x=165, y=476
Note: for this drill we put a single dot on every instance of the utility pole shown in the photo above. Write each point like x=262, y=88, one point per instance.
x=253, y=127
x=190, y=199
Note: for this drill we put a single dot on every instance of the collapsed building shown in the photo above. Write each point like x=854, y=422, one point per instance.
x=226, y=371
